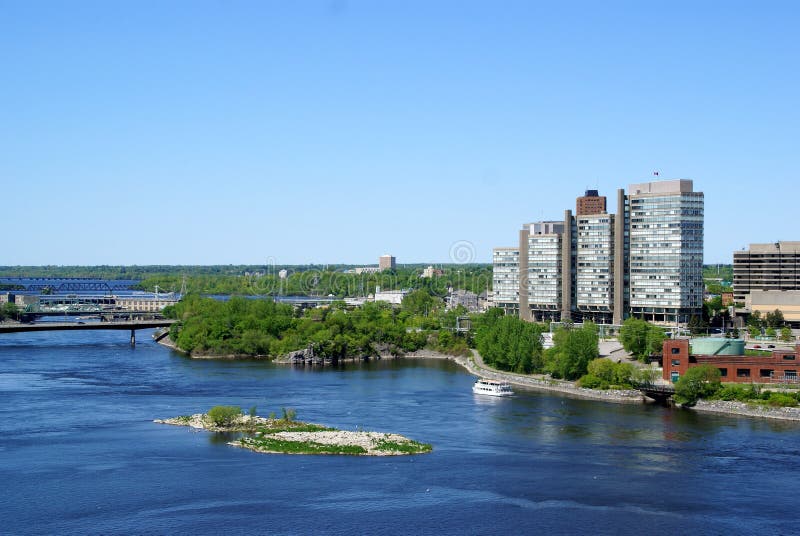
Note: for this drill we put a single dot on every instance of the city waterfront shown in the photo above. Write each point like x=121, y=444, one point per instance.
x=82, y=455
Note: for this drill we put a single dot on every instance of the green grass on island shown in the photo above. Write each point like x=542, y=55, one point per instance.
x=287, y=436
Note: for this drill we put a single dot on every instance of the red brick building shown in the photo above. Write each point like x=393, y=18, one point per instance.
x=591, y=203
x=780, y=367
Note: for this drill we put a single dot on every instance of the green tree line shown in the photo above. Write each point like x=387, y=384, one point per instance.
x=262, y=327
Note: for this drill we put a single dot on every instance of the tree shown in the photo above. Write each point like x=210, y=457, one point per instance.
x=572, y=351
x=697, y=325
x=754, y=320
x=420, y=302
x=698, y=382
x=655, y=339
x=603, y=373
x=9, y=310
x=786, y=334
x=509, y=343
x=633, y=336
x=641, y=339
x=224, y=415
x=774, y=319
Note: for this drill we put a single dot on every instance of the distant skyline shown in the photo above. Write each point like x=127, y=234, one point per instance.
x=249, y=132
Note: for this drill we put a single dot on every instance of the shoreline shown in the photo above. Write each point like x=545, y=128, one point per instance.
x=474, y=365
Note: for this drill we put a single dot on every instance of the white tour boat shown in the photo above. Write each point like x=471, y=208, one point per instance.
x=492, y=388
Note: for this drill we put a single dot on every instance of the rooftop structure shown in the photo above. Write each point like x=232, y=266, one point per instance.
x=590, y=203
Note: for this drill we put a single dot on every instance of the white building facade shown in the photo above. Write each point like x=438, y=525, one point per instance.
x=505, y=279
x=594, y=274
x=666, y=250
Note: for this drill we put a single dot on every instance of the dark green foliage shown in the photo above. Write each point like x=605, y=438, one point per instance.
x=10, y=311
x=263, y=327
x=774, y=319
x=508, y=343
x=224, y=415
x=697, y=324
x=699, y=382
x=574, y=349
x=420, y=302
x=641, y=339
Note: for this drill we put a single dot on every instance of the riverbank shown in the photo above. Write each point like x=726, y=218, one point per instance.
x=475, y=365
x=747, y=410
x=169, y=343
x=279, y=436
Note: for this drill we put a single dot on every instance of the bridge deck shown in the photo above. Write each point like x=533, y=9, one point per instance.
x=57, y=326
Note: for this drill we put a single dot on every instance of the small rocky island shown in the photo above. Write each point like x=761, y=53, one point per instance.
x=287, y=436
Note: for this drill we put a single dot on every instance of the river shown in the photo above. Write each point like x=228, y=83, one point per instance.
x=80, y=453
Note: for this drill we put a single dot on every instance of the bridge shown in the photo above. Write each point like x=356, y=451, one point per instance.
x=131, y=324
x=62, y=285
x=660, y=392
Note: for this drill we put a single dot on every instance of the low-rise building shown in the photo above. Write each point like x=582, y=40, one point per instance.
x=148, y=304
x=779, y=367
x=767, y=301
x=395, y=297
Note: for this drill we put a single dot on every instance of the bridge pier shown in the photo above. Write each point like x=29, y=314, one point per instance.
x=133, y=337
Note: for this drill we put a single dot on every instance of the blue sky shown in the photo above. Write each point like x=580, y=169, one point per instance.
x=191, y=132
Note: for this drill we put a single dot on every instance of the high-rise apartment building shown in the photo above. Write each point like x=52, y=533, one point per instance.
x=541, y=270
x=594, y=270
x=666, y=250
x=505, y=279
x=645, y=261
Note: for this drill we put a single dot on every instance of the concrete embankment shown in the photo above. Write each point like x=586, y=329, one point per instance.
x=747, y=410
x=475, y=365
